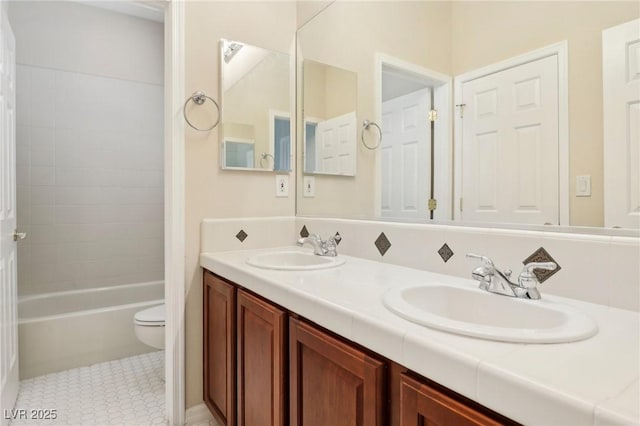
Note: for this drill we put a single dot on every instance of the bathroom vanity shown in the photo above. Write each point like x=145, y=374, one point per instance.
x=332, y=381
x=319, y=348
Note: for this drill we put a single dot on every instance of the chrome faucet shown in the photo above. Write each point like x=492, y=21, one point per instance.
x=320, y=247
x=493, y=280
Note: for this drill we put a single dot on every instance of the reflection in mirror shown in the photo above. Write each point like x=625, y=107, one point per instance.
x=256, y=114
x=526, y=101
x=329, y=119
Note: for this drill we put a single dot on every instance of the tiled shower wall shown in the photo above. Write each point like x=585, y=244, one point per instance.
x=90, y=180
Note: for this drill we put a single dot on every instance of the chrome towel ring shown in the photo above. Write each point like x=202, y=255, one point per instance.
x=365, y=126
x=199, y=98
x=265, y=156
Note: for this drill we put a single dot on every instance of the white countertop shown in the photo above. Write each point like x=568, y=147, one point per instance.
x=594, y=381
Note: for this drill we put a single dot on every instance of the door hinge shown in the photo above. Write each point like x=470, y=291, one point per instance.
x=433, y=115
x=432, y=204
x=461, y=106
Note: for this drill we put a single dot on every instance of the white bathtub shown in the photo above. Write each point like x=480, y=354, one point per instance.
x=69, y=329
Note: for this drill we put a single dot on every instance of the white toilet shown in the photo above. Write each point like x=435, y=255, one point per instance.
x=149, y=326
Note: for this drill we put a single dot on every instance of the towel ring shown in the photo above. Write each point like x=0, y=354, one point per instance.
x=199, y=98
x=263, y=157
x=365, y=126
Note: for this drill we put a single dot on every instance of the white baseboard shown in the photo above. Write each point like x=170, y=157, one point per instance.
x=199, y=415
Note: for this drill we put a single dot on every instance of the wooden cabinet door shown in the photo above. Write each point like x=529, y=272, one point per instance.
x=219, y=348
x=331, y=382
x=422, y=405
x=261, y=362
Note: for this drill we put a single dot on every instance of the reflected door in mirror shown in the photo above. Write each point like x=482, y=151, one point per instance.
x=510, y=138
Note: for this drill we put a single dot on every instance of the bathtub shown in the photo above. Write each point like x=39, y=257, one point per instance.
x=69, y=329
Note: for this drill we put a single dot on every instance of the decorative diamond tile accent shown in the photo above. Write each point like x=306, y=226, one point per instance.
x=242, y=235
x=541, y=255
x=382, y=243
x=338, y=238
x=445, y=252
x=304, y=233
x=128, y=391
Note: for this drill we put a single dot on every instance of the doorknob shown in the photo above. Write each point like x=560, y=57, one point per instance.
x=19, y=235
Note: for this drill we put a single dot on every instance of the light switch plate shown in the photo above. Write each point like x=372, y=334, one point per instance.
x=282, y=185
x=583, y=186
x=309, y=187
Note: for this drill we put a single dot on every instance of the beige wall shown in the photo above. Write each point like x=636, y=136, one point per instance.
x=211, y=192
x=347, y=35
x=487, y=32
x=329, y=91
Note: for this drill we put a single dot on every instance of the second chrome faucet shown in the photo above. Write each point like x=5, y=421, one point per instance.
x=493, y=280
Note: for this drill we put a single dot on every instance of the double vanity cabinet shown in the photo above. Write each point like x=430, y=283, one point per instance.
x=264, y=365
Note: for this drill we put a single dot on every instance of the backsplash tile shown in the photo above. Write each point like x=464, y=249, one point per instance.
x=417, y=246
x=541, y=255
x=304, y=233
x=241, y=235
x=445, y=252
x=382, y=243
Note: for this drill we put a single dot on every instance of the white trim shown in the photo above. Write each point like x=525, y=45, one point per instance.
x=174, y=212
x=441, y=84
x=561, y=51
x=199, y=415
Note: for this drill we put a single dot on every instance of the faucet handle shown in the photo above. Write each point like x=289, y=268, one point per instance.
x=483, y=259
x=528, y=279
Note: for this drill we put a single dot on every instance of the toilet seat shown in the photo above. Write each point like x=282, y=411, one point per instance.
x=152, y=317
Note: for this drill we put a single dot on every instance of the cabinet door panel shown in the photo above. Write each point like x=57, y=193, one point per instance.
x=332, y=383
x=219, y=348
x=261, y=362
x=422, y=405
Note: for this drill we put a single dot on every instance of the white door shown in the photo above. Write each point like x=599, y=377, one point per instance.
x=510, y=145
x=621, y=95
x=8, y=250
x=336, y=145
x=405, y=155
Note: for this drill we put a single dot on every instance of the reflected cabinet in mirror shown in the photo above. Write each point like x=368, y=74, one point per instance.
x=517, y=113
x=256, y=113
x=329, y=114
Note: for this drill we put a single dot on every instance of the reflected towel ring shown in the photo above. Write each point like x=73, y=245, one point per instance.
x=365, y=126
x=263, y=157
x=199, y=98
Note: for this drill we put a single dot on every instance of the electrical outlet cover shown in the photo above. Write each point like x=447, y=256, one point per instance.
x=309, y=189
x=282, y=185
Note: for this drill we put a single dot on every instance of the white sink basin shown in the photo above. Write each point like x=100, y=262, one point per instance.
x=478, y=313
x=293, y=261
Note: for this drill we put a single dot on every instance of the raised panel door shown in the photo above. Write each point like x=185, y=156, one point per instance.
x=219, y=348
x=331, y=382
x=262, y=371
x=423, y=405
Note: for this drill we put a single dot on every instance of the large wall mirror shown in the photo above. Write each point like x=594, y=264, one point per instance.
x=521, y=114
x=256, y=112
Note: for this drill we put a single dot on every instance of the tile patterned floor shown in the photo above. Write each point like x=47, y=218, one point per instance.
x=125, y=392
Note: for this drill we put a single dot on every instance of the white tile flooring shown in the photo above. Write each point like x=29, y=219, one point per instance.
x=125, y=392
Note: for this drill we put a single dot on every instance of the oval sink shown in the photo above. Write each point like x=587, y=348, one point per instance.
x=293, y=261
x=478, y=313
